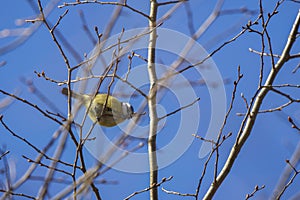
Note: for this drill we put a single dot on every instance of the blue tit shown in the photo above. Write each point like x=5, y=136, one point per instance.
x=114, y=112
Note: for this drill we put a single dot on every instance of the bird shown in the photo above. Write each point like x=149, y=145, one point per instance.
x=104, y=109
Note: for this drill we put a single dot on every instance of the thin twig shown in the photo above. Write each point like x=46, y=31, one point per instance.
x=264, y=54
x=294, y=125
x=287, y=173
x=7, y=172
x=17, y=194
x=215, y=146
x=105, y=3
x=233, y=96
x=171, y=2
x=256, y=189
x=46, y=166
x=179, y=109
x=163, y=180
x=177, y=193
x=31, y=105
x=4, y=153
x=296, y=172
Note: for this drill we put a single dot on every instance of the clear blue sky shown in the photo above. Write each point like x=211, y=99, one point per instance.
x=261, y=160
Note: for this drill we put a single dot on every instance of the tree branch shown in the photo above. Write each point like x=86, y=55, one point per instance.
x=244, y=133
x=152, y=101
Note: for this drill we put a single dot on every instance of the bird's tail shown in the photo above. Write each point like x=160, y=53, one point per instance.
x=73, y=94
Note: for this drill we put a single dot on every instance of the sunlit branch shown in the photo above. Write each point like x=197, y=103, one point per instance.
x=246, y=129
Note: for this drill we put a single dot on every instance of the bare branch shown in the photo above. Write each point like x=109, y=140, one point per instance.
x=26, y=33
x=235, y=84
x=177, y=193
x=31, y=105
x=105, y=3
x=59, y=20
x=264, y=54
x=153, y=165
x=256, y=189
x=179, y=109
x=287, y=173
x=46, y=166
x=171, y=2
x=3, y=153
x=245, y=131
x=293, y=123
x=17, y=194
x=214, y=148
x=296, y=172
x=163, y=180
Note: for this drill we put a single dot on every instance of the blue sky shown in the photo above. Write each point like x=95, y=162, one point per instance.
x=262, y=159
